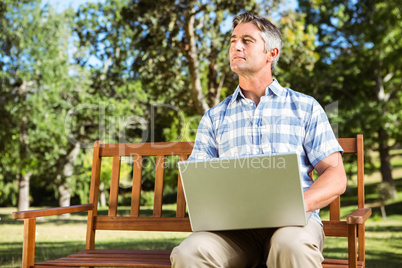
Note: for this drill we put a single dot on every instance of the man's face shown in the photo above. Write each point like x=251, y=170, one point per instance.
x=247, y=50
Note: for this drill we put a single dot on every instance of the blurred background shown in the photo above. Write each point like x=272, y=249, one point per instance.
x=73, y=72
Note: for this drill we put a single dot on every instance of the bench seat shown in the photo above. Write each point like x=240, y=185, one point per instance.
x=139, y=258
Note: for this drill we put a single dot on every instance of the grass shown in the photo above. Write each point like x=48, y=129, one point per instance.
x=60, y=237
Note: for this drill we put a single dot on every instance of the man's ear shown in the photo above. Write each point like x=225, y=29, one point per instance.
x=272, y=54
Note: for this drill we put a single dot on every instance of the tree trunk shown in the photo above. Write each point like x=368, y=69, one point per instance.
x=192, y=57
x=383, y=213
x=214, y=87
x=24, y=175
x=382, y=98
x=385, y=158
x=64, y=194
x=63, y=187
x=102, y=195
x=23, y=191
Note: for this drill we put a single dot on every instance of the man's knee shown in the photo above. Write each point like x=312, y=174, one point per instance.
x=195, y=251
x=183, y=256
x=294, y=247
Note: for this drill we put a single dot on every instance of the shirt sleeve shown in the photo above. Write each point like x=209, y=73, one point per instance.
x=320, y=140
x=205, y=145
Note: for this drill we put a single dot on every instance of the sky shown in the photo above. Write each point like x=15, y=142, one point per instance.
x=61, y=5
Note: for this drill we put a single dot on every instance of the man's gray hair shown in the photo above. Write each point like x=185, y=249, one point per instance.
x=269, y=32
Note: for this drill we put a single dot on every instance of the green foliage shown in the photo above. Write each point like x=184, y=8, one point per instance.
x=8, y=192
x=183, y=128
x=49, y=104
x=33, y=80
x=298, y=56
x=359, y=66
x=359, y=51
x=159, y=35
x=122, y=71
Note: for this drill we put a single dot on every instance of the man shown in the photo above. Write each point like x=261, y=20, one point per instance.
x=262, y=117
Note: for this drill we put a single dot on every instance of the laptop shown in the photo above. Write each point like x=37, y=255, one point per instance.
x=248, y=192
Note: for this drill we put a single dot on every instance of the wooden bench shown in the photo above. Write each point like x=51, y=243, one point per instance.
x=352, y=228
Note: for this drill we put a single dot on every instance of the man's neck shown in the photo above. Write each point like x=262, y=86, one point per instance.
x=254, y=88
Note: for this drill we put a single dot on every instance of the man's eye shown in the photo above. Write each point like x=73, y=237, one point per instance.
x=247, y=41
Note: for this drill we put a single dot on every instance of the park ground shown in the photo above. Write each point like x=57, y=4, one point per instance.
x=57, y=237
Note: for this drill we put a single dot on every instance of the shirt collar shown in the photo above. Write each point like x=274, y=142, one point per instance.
x=274, y=88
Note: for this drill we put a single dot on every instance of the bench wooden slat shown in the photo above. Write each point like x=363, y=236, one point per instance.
x=349, y=145
x=172, y=224
x=335, y=209
x=44, y=265
x=127, y=251
x=102, y=262
x=136, y=190
x=181, y=201
x=93, y=195
x=138, y=263
x=146, y=149
x=337, y=228
x=114, y=186
x=47, y=266
x=158, y=191
x=94, y=261
x=338, y=263
x=123, y=255
x=31, y=214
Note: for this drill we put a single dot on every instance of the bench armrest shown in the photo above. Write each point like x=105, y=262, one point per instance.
x=51, y=211
x=359, y=216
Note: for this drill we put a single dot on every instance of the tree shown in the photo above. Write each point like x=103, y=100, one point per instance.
x=179, y=49
x=38, y=87
x=22, y=69
x=182, y=48
x=359, y=46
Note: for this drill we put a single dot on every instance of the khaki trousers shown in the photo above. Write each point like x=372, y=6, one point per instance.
x=286, y=247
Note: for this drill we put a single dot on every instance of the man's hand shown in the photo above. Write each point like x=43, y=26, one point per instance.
x=331, y=183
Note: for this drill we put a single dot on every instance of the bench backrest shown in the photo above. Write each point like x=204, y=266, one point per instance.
x=333, y=227
x=134, y=221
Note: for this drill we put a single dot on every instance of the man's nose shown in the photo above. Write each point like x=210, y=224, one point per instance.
x=238, y=45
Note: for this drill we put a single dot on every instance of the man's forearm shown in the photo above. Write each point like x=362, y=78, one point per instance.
x=330, y=184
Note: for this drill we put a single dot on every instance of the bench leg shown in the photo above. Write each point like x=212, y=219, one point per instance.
x=352, y=252
x=28, y=246
x=362, y=247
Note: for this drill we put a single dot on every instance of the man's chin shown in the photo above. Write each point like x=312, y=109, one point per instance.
x=236, y=67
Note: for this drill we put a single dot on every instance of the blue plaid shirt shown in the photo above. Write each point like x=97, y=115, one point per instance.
x=284, y=121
